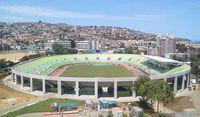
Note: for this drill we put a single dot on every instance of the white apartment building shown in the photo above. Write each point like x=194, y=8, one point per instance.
x=166, y=44
x=81, y=45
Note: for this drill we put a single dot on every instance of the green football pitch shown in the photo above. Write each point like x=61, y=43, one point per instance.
x=96, y=70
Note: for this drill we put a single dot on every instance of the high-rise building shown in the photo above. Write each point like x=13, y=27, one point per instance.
x=96, y=44
x=165, y=44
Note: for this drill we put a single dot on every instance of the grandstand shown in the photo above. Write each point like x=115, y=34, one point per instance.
x=36, y=74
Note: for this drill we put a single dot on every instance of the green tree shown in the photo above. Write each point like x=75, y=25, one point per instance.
x=138, y=85
x=152, y=91
x=195, y=69
x=118, y=51
x=25, y=58
x=72, y=51
x=181, y=48
x=5, y=64
x=73, y=44
x=1, y=47
x=132, y=50
x=5, y=47
x=129, y=50
x=57, y=48
x=161, y=92
x=142, y=87
x=2, y=63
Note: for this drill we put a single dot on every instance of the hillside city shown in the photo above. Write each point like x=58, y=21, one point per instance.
x=39, y=35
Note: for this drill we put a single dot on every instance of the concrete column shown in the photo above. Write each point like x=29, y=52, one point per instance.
x=96, y=88
x=31, y=84
x=22, y=81
x=189, y=79
x=77, y=88
x=15, y=79
x=175, y=84
x=133, y=91
x=183, y=82
x=115, y=89
x=43, y=86
x=59, y=87
x=188, y=83
x=165, y=79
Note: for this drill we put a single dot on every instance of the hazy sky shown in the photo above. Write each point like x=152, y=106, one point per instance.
x=178, y=17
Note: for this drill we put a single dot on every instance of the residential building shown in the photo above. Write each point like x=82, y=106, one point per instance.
x=81, y=45
x=165, y=44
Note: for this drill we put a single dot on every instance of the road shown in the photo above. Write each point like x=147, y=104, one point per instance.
x=12, y=108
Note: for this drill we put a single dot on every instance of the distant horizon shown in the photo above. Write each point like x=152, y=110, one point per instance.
x=179, y=18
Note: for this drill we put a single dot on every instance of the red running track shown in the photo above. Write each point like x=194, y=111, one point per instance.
x=59, y=71
x=59, y=115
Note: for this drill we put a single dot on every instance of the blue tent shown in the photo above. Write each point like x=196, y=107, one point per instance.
x=71, y=104
x=107, y=103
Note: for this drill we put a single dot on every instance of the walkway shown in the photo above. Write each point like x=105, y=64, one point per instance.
x=32, y=115
x=12, y=108
x=87, y=113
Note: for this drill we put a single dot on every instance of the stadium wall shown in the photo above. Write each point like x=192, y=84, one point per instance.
x=179, y=81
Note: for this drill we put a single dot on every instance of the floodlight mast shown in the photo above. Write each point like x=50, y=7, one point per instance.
x=45, y=41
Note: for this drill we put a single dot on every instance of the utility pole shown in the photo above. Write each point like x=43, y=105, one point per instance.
x=44, y=42
x=187, y=53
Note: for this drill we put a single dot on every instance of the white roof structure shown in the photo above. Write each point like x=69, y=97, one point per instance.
x=162, y=59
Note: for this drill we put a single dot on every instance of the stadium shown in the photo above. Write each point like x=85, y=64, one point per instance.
x=98, y=75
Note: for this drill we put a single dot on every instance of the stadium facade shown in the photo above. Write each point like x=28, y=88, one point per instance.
x=35, y=74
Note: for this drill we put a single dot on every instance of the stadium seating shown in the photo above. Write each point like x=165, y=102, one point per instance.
x=46, y=65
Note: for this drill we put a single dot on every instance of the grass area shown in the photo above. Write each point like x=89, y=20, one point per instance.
x=180, y=103
x=43, y=106
x=146, y=115
x=97, y=71
x=123, y=93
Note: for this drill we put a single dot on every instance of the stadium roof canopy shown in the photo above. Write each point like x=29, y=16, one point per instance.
x=162, y=59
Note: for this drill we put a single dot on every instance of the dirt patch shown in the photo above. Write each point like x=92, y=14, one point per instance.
x=180, y=103
x=14, y=56
x=9, y=96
